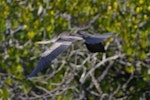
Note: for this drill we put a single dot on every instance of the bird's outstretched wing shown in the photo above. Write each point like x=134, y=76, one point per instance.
x=49, y=55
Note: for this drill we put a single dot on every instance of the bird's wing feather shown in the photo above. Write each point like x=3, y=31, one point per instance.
x=50, y=55
x=105, y=35
x=97, y=38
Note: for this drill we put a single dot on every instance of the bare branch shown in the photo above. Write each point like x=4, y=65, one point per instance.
x=101, y=63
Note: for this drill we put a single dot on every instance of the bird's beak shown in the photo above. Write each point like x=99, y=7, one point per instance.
x=45, y=42
x=41, y=42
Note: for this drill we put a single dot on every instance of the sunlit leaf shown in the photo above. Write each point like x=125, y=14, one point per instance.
x=130, y=69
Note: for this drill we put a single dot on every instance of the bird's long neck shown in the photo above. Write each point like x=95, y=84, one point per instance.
x=82, y=34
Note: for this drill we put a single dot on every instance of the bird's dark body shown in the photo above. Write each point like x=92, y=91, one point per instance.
x=94, y=43
x=98, y=47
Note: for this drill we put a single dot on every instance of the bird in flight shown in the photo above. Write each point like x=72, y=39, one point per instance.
x=63, y=41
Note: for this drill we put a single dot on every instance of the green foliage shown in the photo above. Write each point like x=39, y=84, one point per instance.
x=41, y=20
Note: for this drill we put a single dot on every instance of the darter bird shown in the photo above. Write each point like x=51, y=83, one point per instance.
x=63, y=41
